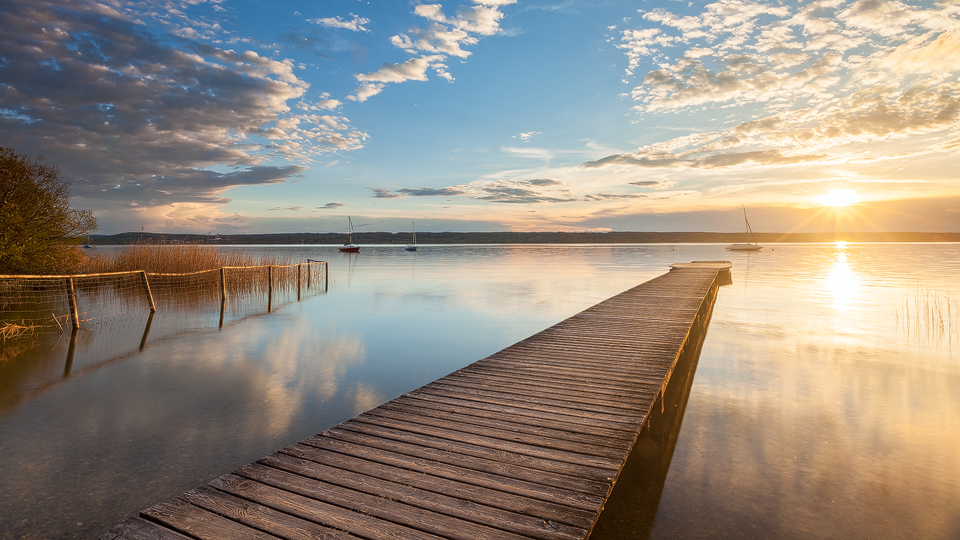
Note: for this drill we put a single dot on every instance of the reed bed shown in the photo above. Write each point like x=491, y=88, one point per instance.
x=173, y=259
x=930, y=313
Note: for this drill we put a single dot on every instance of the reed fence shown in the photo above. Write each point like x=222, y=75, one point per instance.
x=34, y=304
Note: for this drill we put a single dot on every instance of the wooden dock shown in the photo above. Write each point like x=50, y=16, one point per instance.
x=526, y=443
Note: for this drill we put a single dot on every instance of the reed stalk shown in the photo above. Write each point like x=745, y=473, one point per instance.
x=930, y=313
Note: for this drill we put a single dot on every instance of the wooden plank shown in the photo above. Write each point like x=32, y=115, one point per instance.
x=323, y=513
x=463, y=506
x=526, y=456
x=552, y=430
x=137, y=528
x=260, y=517
x=526, y=443
x=533, y=413
x=581, y=488
x=545, y=382
x=584, y=405
x=461, y=484
x=534, y=404
x=384, y=416
x=196, y=522
x=556, y=392
x=384, y=508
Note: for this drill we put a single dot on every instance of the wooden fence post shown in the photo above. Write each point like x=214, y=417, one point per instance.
x=146, y=287
x=269, y=288
x=326, y=276
x=299, y=267
x=146, y=331
x=223, y=286
x=73, y=305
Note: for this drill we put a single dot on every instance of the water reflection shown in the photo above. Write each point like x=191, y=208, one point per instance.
x=811, y=415
x=841, y=280
x=631, y=510
x=804, y=420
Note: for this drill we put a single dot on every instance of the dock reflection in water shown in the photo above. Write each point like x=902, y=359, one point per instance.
x=631, y=509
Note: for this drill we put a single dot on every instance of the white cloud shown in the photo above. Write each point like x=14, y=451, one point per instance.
x=414, y=69
x=444, y=37
x=525, y=151
x=355, y=24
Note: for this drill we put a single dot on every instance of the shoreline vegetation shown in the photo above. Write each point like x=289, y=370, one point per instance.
x=614, y=237
x=152, y=256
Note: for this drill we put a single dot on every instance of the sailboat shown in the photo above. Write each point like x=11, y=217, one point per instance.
x=751, y=246
x=350, y=247
x=413, y=246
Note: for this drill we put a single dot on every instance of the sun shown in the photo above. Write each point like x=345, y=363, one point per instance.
x=839, y=197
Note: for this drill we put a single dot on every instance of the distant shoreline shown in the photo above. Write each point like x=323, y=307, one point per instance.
x=522, y=238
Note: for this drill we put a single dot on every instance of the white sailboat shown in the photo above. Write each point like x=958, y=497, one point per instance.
x=413, y=246
x=750, y=246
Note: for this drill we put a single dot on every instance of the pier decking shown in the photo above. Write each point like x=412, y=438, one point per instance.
x=526, y=443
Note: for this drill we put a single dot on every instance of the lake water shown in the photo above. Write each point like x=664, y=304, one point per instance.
x=825, y=402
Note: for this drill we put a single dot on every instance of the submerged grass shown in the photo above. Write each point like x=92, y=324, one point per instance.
x=930, y=313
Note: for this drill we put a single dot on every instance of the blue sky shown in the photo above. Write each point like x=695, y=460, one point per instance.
x=241, y=116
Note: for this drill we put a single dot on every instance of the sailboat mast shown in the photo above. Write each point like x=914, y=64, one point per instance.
x=747, y=221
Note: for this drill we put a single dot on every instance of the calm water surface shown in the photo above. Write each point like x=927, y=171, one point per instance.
x=824, y=405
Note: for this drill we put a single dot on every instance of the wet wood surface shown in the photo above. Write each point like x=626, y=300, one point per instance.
x=526, y=443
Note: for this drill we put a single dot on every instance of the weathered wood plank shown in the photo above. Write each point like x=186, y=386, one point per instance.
x=526, y=443
x=460, y=486
x=385, y=508
x=186, y=518
x=462, y=507
x=428, y=412
x=516, y=409
x=490, y=437
x=525, y=456
x=563, y=489
x=137, y=528
x=315, y=510
x=493, y=464
x=260, y=517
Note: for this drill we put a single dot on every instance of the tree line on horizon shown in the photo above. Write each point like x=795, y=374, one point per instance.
x=507, y=237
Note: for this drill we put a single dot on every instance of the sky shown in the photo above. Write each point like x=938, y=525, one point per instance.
x=238, y=116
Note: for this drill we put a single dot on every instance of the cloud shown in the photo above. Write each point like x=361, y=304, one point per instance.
x=330, y=206
x=444, y=37
x=816, y=99
x=291, y=208
x=414, y=69
x=355, y=24
x=365, y=91
x=526, y=136
x=534, y=190
x=614, y=196
x=127, y=114
x=379, y=193
x=536, y=153
x=523, y=192
x=193, y=186
x=544, y=182
x=431, y=192
x=739, y=52
x=654, y=184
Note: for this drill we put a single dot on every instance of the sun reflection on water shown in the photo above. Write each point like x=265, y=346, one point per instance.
x=842, y=281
